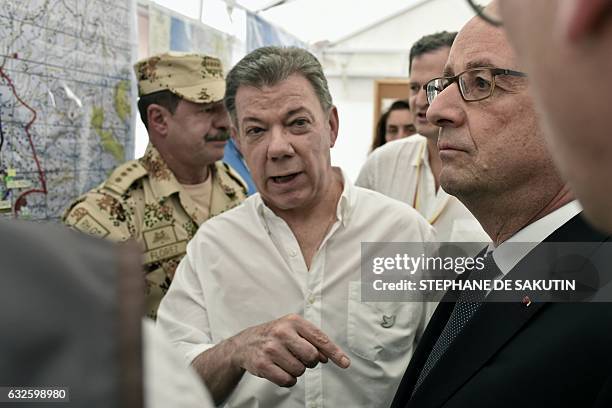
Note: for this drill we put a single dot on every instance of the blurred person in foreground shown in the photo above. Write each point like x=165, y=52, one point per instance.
x=566, y=47
x=71, y=318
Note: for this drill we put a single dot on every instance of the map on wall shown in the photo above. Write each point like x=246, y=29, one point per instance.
x=66, y=100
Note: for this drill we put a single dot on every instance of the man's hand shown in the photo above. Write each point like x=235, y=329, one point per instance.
x=282, y=349
x=279, y=351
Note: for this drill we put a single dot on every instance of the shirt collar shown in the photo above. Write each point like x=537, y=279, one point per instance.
x=422, y=154
x=162, y=180
x=164, y=183
x=511, y=251
x=344, y=208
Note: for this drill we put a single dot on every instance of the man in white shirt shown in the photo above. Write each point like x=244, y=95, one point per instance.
x=408, y=169
x=524, y=351
x=278, y=290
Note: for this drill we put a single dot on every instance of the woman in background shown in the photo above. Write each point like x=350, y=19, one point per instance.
x=395, y=123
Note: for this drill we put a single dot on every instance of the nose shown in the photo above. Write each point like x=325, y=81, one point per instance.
x=403, y=132
x=279, y=145
x=421, y=100
x=221, y=121
x=447, y=110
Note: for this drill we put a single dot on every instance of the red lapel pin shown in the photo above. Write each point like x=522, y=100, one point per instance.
x=526, y=301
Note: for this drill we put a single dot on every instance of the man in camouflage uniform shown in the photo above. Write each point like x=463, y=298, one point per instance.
x=161, y=199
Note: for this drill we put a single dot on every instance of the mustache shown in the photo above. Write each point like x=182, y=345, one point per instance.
x=219, y=137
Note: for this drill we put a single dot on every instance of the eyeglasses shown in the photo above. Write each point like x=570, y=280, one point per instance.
x=475, y=84
x=488, y=16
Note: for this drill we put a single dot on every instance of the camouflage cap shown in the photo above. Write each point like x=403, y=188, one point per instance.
x=195, y=77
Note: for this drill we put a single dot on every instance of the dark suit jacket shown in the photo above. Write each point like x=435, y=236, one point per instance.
x=513, y=355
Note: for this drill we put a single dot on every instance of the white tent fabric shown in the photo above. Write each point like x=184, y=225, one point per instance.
x=329, y=20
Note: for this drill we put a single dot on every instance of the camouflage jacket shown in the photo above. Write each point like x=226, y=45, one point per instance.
x=142, y=200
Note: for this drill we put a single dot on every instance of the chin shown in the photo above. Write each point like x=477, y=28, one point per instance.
x=285, y=203
x=285, y=206
x=455, y=187
x=447, y=182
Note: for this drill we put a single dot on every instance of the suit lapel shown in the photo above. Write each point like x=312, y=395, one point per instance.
x=430, y=336
x=432, y=332
x=491, y=327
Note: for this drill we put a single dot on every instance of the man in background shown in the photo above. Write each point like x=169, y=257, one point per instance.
x=161, y=199
x=408, y=170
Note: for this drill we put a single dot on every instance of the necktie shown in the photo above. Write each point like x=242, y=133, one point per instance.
x=466, y=306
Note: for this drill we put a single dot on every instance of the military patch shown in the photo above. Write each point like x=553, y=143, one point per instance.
x=91, y=226
x=165, y=252
x=211, y=67
x=159, y=237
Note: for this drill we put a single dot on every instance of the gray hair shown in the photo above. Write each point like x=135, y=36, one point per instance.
x=267, y=66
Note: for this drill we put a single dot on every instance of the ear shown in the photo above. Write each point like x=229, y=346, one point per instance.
x=157, y=119
x=580, y=18
x=334, y=124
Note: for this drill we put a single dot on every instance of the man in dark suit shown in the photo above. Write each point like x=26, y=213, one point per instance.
x=524, y=352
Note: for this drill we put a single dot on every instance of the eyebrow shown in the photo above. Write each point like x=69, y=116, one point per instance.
x=478, y=63
x=296, y=111
x=251, y=119
x=287, y=115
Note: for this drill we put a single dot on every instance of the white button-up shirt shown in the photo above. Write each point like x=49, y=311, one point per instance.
x=400, y=170
x=245, y=268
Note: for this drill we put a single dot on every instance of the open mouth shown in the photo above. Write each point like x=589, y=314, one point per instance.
x=285, y=179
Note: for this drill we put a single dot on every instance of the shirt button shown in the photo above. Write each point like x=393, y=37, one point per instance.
x=311, y=299
x=293, y=253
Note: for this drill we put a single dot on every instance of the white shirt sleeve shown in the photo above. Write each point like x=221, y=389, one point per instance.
x=168, y=381
x=367, y=175
x=182, y=314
